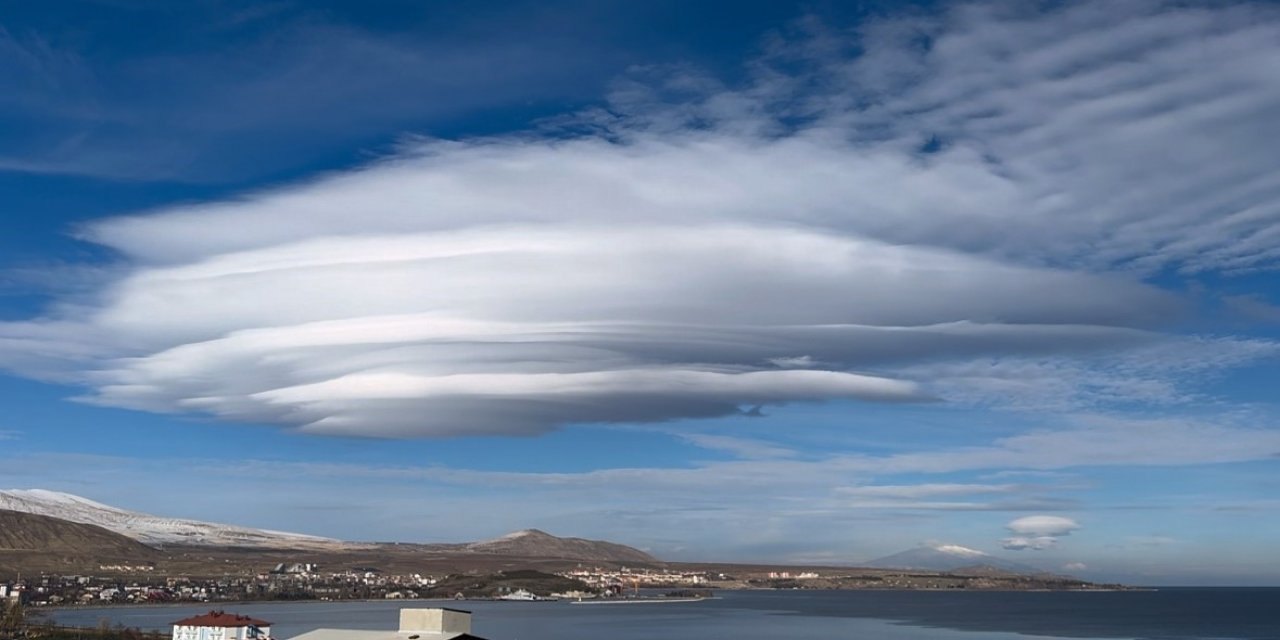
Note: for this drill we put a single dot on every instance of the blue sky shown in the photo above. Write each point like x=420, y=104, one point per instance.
x=787, y=282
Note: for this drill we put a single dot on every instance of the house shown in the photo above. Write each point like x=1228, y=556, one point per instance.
x=415, y=624
x=220, y=625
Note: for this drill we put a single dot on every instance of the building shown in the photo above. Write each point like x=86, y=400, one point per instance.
x=220, y=625
x=415, y=624
x=11, y=593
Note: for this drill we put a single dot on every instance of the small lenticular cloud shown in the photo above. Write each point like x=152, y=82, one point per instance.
x=1019, y=543
x=1037, y=533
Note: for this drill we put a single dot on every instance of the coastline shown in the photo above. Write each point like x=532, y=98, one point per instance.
x=221, y=604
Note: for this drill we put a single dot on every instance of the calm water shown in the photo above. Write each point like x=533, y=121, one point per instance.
x=1168, y=614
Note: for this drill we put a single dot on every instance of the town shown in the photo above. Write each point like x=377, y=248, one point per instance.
x=302, y=581
x=305, y=581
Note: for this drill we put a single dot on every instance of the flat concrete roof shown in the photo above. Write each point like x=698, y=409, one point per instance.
x=364, y=634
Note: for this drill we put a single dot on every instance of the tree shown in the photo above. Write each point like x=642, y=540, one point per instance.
x=13, y=621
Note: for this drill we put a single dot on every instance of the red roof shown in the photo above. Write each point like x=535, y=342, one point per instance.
x=221, y=619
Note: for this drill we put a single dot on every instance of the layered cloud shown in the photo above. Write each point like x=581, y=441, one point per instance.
x=831, y=231
x=1037, y=532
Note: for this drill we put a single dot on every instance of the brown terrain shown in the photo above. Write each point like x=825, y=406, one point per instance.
x=535, y=543
x=32, y=543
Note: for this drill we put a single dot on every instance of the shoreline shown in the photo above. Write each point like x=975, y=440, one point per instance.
x=222, y=604
x=658, y=600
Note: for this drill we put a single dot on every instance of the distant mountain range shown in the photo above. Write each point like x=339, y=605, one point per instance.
x=38, y=520
x=154, y=530
x=948, y=557
x=61, y=510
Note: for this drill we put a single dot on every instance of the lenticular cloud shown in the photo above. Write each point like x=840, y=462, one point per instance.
x=671, y=265
x=468, y=327
x=1037, y=533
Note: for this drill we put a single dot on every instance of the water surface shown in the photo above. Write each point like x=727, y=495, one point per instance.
x=1167, y=614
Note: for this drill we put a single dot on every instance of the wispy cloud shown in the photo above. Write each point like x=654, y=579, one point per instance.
x=1151, y=541
x=917, y=491
x=747, y=448
x=1098, y=440
x=1170, y=371
x=1252, y=307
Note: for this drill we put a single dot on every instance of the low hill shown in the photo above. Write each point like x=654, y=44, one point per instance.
x=532, y=543
x=41, y=542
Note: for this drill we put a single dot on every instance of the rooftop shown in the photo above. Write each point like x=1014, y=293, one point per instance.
x=221, y=619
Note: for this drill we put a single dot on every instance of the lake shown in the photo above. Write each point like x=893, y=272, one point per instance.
x=1165, y=614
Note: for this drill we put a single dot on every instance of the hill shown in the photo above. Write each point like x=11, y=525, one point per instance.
x=193, y=547
x=532, y=543
x=38, y=542
x=149, y=529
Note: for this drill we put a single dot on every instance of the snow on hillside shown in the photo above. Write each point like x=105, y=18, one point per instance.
x=149, y=529
x=959, y=551
x=946, y=557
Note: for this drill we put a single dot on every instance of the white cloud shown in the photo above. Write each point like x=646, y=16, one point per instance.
x=1075, y=566
x=794, y=362
x=928, y=490
x=521, y=329
x=1036, y=543
x=1097, y=440
x=695, y=259
x=1167, y=372
x=748, y=448
x=1037, y=532
x=1043, y=526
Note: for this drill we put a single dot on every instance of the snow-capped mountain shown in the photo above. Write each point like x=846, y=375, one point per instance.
x=153, y=530
x=947, y=557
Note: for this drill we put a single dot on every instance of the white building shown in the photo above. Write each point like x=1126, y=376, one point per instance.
x=220, y=625
x=415, y=624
